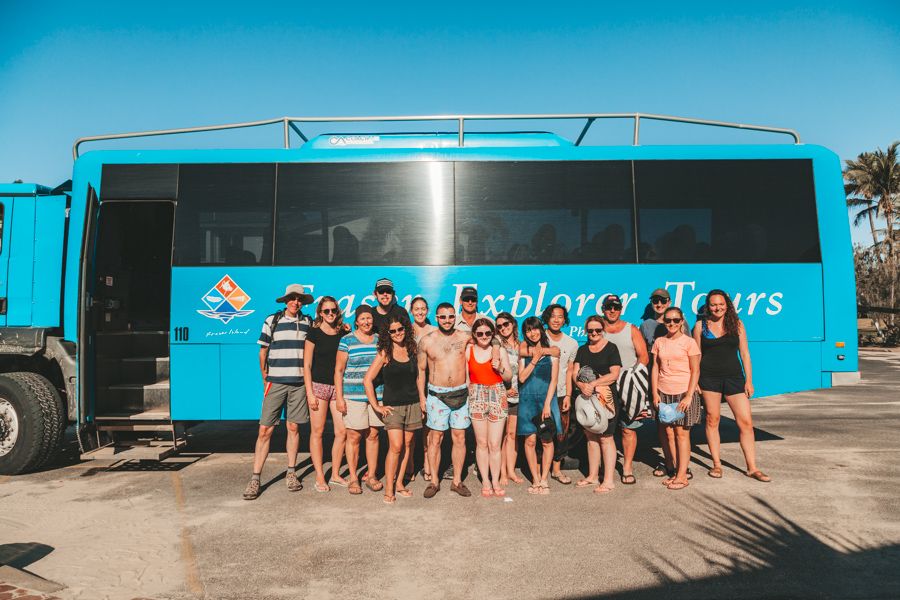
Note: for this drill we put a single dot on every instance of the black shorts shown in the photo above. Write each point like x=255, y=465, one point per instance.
x=728, y=386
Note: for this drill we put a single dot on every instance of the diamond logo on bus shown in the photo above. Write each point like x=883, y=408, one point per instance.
x=226, y=301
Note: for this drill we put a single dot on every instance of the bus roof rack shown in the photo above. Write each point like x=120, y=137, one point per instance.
x=291, y=123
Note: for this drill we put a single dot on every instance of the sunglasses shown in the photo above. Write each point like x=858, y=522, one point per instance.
x=658, y=300
x=445, y=317
x=504, y=324
x=397, y=330
x=470, y=299
x=673, y=320
x=593, y=330
x=613, y=306
x=384, y=290
x=483, y=334
x=329, y=311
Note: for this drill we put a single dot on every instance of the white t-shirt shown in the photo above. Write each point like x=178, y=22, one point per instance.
x=567, y=349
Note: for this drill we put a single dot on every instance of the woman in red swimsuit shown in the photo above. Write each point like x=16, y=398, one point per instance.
x=487, y=404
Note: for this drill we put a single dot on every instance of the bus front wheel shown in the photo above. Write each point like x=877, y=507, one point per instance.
x=32, y=422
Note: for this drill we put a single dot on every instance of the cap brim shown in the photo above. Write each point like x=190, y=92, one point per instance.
x=304, y=298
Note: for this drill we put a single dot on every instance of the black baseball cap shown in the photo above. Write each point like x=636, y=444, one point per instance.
x=611, y=300
x=468, y=292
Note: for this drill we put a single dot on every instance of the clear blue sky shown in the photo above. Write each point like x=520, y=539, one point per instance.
x=829, y=70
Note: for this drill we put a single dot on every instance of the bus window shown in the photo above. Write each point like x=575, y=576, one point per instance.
x=726, y=211
x=544, y=212
x=139, y=182
x=224, y=214
x=364, y=214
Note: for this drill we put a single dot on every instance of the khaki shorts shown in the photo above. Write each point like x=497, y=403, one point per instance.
x=287, y=399
x=407, y=417
x=360, y=416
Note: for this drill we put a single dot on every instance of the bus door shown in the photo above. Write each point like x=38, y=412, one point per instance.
x=129, y=312
x=6, y=204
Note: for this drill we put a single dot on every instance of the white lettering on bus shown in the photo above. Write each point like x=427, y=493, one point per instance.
x=562, y=299
x=347, y=308
x=539, y=307
x=679, y=289
x=492, y=304
x=515, y=304
x=582, y=300
x=754, y=299
x=774, y=303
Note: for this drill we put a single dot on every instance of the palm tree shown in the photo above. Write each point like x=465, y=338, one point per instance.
x=873, y=183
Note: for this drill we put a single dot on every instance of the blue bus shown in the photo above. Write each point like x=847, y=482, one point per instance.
x=132, y=299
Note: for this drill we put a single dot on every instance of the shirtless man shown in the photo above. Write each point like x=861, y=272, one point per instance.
x=445, y=405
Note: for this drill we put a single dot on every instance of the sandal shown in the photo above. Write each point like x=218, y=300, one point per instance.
x=374, y=485
x=534, y=489
x=628, y=479
x=354, y=488
x=389, y=499
x=678, y=485
x=499, y=492
x=602, y=489
x=322, y=487
x=561, y=477
x=340, y=482
x=585, y=483
x=487, y=492
x=661, y=470
x=759, y=476
x=404, y=492
x=544, y=488
x=715, y=473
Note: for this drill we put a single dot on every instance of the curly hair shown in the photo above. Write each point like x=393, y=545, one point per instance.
x=731, y=320
x=338, y=323
x=535, y=323
x=386, y=344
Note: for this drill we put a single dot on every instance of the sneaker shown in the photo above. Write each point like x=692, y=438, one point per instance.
x=293, y=484
x=448, y=474
x=252, y=490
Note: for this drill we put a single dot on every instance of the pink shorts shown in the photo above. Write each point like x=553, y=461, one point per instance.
x=323, y=391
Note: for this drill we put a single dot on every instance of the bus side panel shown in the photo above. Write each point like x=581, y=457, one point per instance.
x=838, y=277
x=782, y=367
x=194, y=377
x=49, y=231
x=21, y=264
x=241, y=384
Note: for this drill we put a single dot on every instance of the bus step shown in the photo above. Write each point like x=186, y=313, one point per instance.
x=132, y=343
x=134, y=397
x=154, y=450
x=139, y=369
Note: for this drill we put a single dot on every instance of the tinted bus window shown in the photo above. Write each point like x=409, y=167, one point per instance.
x=364, y=214
x=224, y=214
x=544, y=212
x=720, y=211
x=139, y=182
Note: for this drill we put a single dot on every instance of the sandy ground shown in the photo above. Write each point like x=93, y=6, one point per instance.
x=828, y=526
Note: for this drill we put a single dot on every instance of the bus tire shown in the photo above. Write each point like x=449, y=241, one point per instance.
x=32, y=422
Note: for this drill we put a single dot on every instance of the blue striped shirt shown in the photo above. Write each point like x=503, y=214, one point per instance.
x=285, y=360
x=360, y=357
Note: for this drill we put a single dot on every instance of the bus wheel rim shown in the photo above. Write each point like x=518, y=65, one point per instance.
x=9, y=427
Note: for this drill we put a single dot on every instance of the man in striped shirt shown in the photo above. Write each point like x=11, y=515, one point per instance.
x=281, y=362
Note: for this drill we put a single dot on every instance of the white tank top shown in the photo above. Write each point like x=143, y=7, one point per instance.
x=624, y=345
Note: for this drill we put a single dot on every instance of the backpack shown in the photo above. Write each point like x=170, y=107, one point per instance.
x=633, y=392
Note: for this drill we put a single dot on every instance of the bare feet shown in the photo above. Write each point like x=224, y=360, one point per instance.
x=604, y=488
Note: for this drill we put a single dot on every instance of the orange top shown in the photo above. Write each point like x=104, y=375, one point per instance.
x=482, y=373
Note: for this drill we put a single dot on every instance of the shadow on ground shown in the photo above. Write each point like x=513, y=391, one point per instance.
x=769, y=556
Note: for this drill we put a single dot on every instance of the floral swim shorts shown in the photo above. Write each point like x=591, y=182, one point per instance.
x=488, y=402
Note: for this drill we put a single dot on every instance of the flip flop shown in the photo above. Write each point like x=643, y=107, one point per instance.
x=322, y=488
x=389, y=499
x=759, y=476
x=678, y=485
x=354, y=488
x=374, y=485
x=586, y=483
x=499, y=492
x=600, y=489
x=715, y=473
x=561, y=477
x=487, y=492
x=534, y=489
x=404, y=492
x=338, y=482
x=628, y=479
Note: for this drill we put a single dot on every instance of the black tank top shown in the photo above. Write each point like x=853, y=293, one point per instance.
x=400, y=383
x=719, y=356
